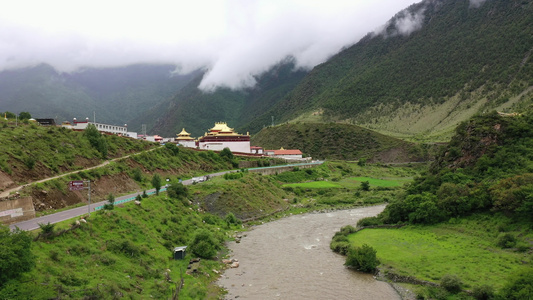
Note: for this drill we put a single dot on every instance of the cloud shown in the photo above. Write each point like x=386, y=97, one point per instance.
x=476, y=3
x=404, y=23
x=410, y=22
x=233, y=39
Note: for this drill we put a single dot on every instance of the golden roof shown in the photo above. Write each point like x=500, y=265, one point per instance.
x=221, y=128
x=184, y=135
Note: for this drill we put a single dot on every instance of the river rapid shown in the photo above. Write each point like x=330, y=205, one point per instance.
x=290, y=259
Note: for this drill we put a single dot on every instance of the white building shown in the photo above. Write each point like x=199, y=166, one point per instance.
x=82, y=125
x=285, y=154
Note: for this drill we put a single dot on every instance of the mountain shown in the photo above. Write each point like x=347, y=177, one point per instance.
x=456, y=60
x=115, y=95
x=196, y=111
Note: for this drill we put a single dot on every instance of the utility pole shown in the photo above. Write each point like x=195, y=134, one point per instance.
x=89, y=196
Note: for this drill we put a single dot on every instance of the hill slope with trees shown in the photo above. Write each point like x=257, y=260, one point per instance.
x=461, y=60
x=339, y=141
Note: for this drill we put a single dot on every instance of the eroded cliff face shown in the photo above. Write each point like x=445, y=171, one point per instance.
x=474, y=139
x=56, y=198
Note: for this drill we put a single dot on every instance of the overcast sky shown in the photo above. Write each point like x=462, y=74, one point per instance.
x=233, y=39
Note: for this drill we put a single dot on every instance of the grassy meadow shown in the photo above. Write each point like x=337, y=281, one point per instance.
x=338, y=184
x=467, y=248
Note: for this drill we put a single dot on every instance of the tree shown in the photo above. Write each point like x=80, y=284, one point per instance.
x=156, y=183
x=15, y=253
x=173, y=148
x=96, y=139
x=226, y=153
x=111, y=202
x=365, y=186
x=24, y=115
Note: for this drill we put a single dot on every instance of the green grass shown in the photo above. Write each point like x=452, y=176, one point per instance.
x=314, y=185
x=392, y=182
x=467, y=249
x=126, y=251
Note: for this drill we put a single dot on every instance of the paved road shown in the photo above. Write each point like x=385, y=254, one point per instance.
x=82, y=210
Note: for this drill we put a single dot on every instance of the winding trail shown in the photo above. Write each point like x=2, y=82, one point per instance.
x=6, y=193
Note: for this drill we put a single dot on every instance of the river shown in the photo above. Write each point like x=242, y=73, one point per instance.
x=290, y=259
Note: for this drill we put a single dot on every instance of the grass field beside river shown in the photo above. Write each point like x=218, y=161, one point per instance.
x=352, y=182
x=466, y=248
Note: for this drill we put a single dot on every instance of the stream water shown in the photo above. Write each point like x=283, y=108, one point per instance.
x=290, y=259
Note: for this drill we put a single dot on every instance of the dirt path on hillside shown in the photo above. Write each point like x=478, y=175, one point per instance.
x=6, y=193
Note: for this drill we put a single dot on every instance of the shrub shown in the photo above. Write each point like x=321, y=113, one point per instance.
x=177, y=190
x=172, y=148
x=362, y=258
x=47, y=228
x=29, y=162
x=506, y=240
x=365, y=186
x=210, y=219
x=369, y=221
x=15, y=253
x=341, y=247
x=137, y=175
x=451, y=283
x=231, y=219
x=204, y=244
x=484, y=292
x=519, y=286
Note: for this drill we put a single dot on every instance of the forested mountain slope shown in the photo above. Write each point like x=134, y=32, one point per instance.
x=196, y=110
x=116, y=95
x=425, y=77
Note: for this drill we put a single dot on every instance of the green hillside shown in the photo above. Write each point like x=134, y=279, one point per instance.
x=463, y=60
x=30, y=152
x=197, y=111
x=338, y=141
x=488, y=165
x=468, y=217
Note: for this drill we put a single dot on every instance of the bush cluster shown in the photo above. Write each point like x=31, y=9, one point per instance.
x=362, y=258
x=339, y=242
